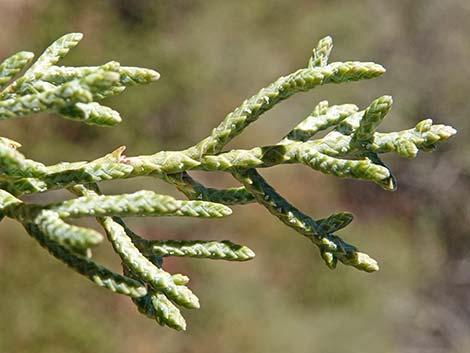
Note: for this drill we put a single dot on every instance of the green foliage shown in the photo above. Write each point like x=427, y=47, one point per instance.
x=351, y=149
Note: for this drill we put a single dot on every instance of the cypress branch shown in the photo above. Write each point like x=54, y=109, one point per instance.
x=350, y=149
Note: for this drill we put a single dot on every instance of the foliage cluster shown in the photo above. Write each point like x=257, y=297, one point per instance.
x=350, y=148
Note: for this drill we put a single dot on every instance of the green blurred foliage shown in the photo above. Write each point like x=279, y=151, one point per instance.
x=212, y=55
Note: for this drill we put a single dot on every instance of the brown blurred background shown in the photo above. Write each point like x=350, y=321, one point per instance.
x=212, y=55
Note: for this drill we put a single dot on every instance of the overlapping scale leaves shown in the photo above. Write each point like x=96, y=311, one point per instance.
x=350, y=148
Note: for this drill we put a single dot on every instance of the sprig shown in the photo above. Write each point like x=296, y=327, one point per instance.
x=350, y=149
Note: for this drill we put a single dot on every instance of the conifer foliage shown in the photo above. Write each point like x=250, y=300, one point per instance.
x=350, y=149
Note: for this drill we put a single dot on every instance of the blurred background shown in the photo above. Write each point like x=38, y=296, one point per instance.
x=212, y=55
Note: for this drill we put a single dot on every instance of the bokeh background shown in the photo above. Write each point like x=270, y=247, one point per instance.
x=213, y=54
